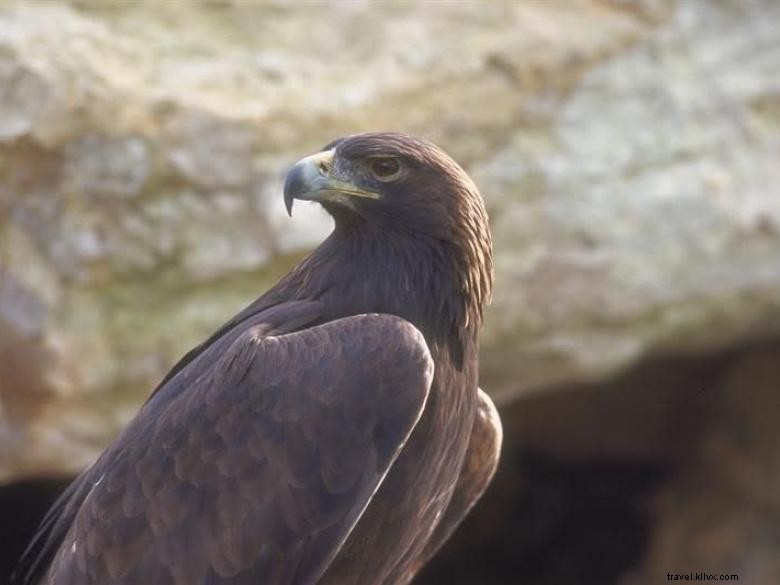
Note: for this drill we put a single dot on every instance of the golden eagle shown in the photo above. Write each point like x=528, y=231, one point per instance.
x=332, y=432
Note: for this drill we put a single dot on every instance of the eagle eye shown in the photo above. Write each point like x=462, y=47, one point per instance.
x=385, y=169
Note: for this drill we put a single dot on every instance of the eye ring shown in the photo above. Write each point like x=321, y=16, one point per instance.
x=385, y=168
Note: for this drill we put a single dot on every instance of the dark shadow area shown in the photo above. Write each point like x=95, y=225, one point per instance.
x=23, y=504
x=549, y=522
x=572, y=500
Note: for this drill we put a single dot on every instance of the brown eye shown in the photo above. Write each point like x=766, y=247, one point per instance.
x=385, y=169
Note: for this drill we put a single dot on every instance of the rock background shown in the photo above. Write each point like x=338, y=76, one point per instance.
x=629, y=151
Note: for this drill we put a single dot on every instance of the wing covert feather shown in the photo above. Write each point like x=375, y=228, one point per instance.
x=259, y=470
x=478, y=470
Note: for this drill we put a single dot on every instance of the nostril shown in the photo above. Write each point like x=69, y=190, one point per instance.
x=323, y=167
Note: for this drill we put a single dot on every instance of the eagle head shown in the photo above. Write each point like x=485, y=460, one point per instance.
x=406, y=196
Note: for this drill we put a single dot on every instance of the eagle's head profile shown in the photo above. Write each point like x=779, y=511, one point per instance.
x=408, y=194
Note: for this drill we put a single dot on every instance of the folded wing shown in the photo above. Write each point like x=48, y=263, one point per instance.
x=257, y=471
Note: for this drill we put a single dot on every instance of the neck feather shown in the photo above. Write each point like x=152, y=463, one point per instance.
x=418, y=278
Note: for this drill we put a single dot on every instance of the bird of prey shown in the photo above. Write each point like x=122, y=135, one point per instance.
x=332, y=432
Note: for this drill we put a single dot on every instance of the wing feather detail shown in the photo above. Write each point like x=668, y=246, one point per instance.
x=252, y=469
x=478, y=470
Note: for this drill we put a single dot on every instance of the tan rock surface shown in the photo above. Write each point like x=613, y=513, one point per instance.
x=142, y=148
x=627, y=151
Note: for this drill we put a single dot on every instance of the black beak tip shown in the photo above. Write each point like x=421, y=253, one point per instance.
x=288, y=202
x=293, y=186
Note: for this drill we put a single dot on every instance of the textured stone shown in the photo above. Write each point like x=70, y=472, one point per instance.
x=140, y=196
x=644, y=217
x=102, y=167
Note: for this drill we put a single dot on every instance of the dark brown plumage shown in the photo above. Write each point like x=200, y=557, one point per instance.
x=332, y=432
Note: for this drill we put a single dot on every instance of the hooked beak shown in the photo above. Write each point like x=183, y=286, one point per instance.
x=311, y=179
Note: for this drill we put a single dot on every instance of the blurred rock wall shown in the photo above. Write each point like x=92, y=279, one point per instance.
x=629, y=152
x=142, y=147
